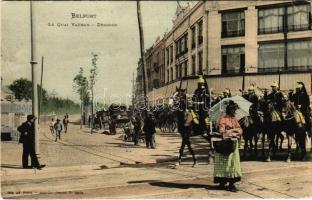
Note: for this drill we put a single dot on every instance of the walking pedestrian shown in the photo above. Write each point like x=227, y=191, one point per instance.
x=58, y=129
x=27, y=138
x=136, y=121
x=227, y=167
x=149, y=130
x=52, y=122
x=65, y=122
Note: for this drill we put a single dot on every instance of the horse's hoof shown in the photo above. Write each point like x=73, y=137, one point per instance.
x=195, y=165
x=268, y=159
x=288, y=160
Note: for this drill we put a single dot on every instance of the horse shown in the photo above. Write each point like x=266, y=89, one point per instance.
x=180, y=104
x=167, y=121
x=294, y=126
x=187, y=126
x=251, y=129
x=271, y=125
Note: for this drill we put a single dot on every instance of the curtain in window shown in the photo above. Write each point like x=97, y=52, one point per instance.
x=271, y=20
x=233, y=23
x=271, y=57
x=299, y=54
x=232, y=59
x=298, y=17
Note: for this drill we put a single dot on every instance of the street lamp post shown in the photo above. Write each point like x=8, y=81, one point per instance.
x=34, y=77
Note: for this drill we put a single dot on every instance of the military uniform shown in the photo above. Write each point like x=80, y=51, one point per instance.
x=302, y=103
x=253, y=98
x=201, y=101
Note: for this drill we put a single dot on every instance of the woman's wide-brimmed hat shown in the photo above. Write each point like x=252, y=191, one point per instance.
x=232, y=105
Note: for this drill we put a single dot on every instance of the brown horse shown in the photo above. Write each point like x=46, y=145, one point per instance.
x=294, y=126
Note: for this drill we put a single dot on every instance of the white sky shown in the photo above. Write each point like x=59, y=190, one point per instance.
x=66, y=49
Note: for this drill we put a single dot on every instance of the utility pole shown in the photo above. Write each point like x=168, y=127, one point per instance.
x=142, y=54
x=41, y=89
x=133, y=92
x=34, y=77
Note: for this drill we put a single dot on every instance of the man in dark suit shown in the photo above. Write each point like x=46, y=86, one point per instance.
x=27, y=130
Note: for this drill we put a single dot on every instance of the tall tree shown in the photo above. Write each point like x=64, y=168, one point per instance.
x=22, y=89
x=81, y=87
x=92, y=79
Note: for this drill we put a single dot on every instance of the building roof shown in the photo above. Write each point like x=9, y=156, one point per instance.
x=5, y=89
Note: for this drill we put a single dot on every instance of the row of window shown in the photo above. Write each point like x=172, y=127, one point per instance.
x=271, y=58
x=181, y=46
x=182, y=68
x=270, y=20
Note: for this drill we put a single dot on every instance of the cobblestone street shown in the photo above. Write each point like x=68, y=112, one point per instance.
x=82, y=165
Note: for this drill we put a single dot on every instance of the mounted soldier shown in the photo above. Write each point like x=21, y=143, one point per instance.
x=254, y=99
x=227, y=93
x=201, y=101
x=276, y=97
x=302, y=103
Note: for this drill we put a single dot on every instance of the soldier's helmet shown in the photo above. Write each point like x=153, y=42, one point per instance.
x=299, y=85
x=200, y=79
x=274, y=84
x=227, y=91
x=251, y=88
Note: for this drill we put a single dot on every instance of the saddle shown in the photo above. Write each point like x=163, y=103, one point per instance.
x=276, y=116
x=300, y=118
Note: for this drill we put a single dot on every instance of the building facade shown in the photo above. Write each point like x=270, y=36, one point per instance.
x=138, y=91
x=155, y=65
x=237, y=43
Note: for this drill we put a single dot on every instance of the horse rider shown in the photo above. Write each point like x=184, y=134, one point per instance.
x=254, y=99
x=201, y=101
x=276, y=97
x=302, y=103
x=227, y=93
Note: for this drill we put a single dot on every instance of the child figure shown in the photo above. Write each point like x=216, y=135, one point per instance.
x=58, y=129
x=52, y=122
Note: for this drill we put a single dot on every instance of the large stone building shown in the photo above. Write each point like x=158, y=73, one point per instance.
x=155, y=65
x=237, y=43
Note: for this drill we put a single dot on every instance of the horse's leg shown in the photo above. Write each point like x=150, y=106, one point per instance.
x=188, y=143
x=250, y=145
x=271, y=145
x=302, y=142
x=289, y=148
x=181, y=150
x=256, y=144
x=263, y=141
x=282, y=140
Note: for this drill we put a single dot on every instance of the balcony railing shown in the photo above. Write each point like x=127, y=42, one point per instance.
x=284, y=69
x=299, y=27
x=231, y=71
x=270, y=30
x=236, y=33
